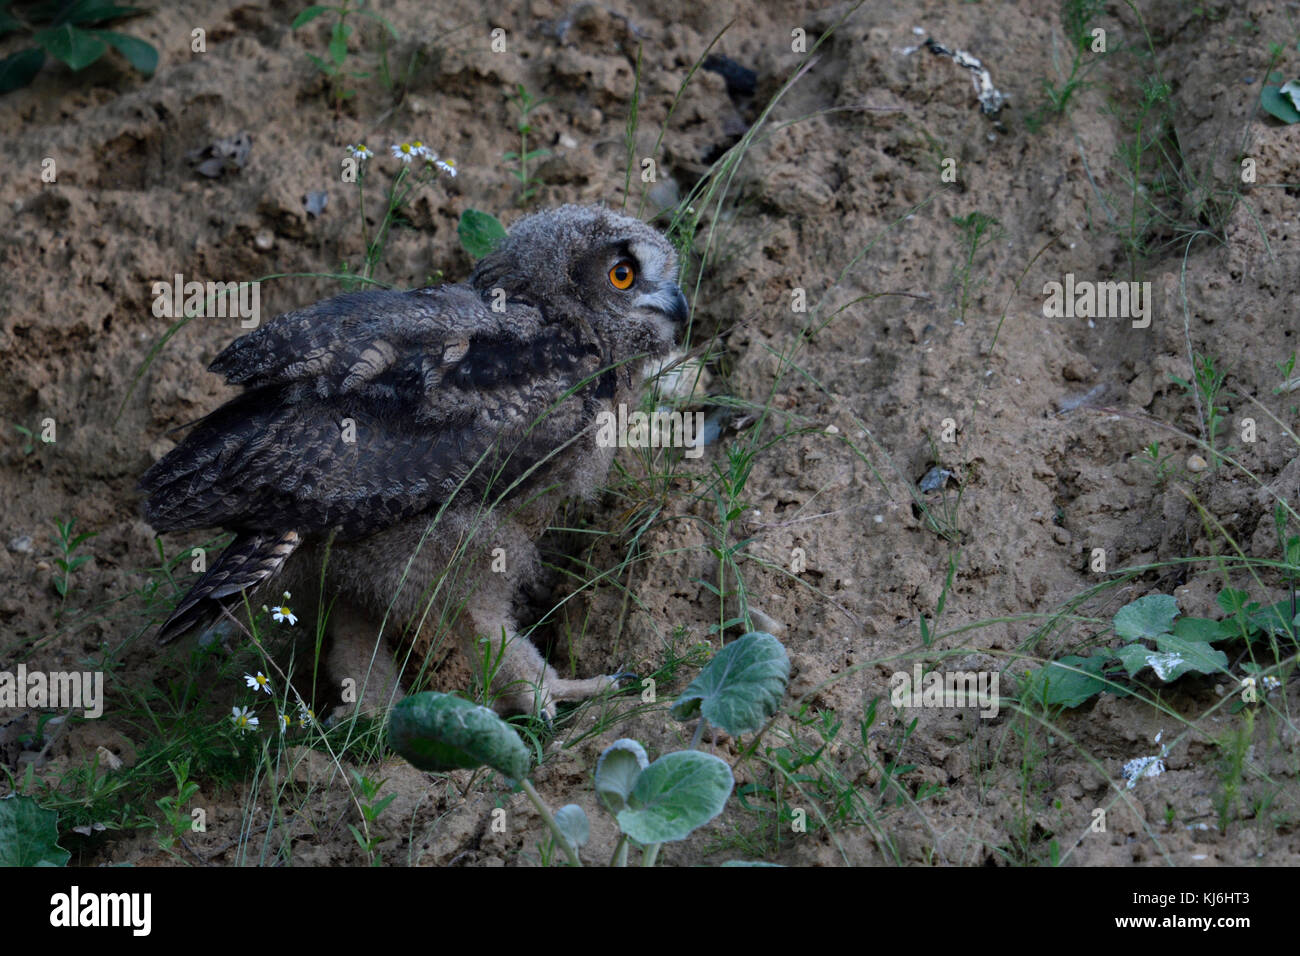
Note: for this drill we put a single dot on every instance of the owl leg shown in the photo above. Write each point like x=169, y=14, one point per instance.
x=521, y=680
x=359, y=663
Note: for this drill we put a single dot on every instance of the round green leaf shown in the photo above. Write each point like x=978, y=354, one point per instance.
x=1201, y=629
x=1146, y=617
x=1134, y=658
x=440, y=732
x=675, y=795
x=741, y=687
x=29, y=834
x=75, y=47
x=19, y=69
x=1067, y=682
x=479, y=232
x=617, y=771
x=139, y=54
x=1191, y=656
x=1279, y=104
x=572, y=821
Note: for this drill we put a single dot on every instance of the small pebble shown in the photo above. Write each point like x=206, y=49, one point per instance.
x=21, y=544
x=264, y=240
x=1196, y=463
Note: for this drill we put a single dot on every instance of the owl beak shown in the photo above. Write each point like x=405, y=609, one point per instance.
x=676, y=307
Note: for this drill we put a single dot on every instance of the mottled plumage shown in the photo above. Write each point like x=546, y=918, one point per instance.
x=369, y=417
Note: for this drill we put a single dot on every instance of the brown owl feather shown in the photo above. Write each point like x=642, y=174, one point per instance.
x=373, y=412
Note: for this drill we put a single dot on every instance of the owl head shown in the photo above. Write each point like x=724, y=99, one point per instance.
x=587, y=263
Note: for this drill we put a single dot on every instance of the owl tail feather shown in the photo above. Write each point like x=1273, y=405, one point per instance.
x=249, y=560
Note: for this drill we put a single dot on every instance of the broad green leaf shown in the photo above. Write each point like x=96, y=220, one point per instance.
x=1193, y=656
x=1279, y=104
x=1067, y=682
x=1201, y=630
x=1276, y=620
x=479, y=232
x=308, y=15
x=1146, y=617
x=75, y=47
x=29, y=834
x=572, y=821
x=616, y=772
x=339, y=42
x=1232, y=600
x=139, y=54
x=19, y=69
x=1134, y=658
x=741, y=687
x=676, y=795
x=440, y=732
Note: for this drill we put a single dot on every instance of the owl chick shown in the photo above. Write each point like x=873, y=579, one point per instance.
x=404, y=450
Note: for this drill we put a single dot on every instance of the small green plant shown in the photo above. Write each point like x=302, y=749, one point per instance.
x=420, y=166
x=654, y=802
x=176, y=816
x=1233, y=747
x=1077, y=17
x=371, y=808
x=68, y=560
x=335, y=68
x=978, y=230
x=71, y=32
x=1287, y=369
x=29, y=441
x=1207, y=388
x=728, y=490
x=1181, y=646
x=1157, y=462
x=525, y=103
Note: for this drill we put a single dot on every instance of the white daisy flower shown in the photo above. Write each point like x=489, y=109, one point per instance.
x=423, y=151
x=405, y=152
x=359, y=151
x=448, y=166
x=260, y=682
x=306, y=717
x=244, y=718
x=285, y=721
x=281, y=613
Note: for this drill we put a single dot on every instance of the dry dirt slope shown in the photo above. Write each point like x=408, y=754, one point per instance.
x=859, y=166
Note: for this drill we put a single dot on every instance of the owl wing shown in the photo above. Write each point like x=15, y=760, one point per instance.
x=364, y=410
x=370, y=407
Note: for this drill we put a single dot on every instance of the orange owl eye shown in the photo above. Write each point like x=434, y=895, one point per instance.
x=622, y=275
